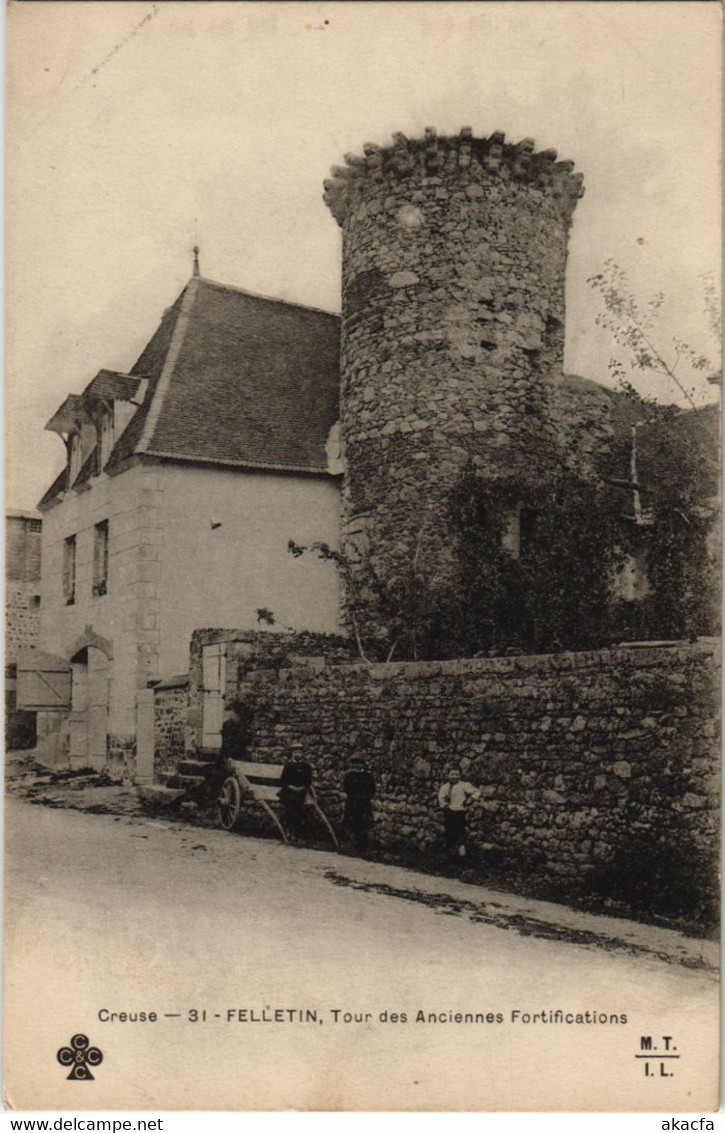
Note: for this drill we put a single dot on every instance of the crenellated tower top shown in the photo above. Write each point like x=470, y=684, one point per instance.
x=478, y=159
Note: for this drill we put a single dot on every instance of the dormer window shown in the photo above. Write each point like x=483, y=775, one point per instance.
x=106, y=437
x=75, y=458
x=90, y=422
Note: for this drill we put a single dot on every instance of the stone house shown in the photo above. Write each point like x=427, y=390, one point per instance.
x=184, y=480
x=22, y=614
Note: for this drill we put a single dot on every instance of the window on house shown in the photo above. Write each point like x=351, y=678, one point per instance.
x=106, y=441
x=69, y=570
x=100, y=558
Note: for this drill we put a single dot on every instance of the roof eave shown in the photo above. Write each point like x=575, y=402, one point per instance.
x=242, y=464
x=53, y=501
x=67, y=415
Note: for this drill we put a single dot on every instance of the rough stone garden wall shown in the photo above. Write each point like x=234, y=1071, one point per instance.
x=250, y=652
x=598, y=771
x=171, y=709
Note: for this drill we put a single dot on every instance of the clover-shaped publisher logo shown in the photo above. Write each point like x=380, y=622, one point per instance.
x=80, y=1056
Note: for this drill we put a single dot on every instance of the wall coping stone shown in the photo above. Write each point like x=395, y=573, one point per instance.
x=180, y=681
x=568, y=662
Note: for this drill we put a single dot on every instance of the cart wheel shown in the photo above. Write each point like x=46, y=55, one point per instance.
x=229, y=803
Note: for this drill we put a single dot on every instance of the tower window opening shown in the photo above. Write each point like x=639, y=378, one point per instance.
x=358, y=535
x=532, y=403
x=527, y=528
x=553, y=332
x=519, y=530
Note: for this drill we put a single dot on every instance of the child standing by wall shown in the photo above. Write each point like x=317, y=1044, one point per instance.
x=454, y=798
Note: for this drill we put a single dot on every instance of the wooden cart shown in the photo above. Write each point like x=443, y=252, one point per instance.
x=260, y=782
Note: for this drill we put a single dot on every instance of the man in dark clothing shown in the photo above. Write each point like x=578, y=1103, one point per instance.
x=359, y=787
x=236, y=731
x=294, y=787
x=236, y=734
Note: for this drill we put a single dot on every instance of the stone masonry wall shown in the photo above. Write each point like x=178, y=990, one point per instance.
x=22, y=629
x=22, y=617
x=171, y=705
x=588, y=763
x=250, y=651
x=454, y=257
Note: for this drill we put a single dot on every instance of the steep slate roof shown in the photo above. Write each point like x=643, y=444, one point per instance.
x=55, y=489
x=109, y=384
x=88, y=470
x=237, y=380
x=255, y=382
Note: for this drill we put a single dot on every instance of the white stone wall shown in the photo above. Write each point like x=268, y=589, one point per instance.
x=171, y=571
x=126, y=614
x=225, y=555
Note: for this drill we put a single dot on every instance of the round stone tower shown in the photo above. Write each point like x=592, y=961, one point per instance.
x=454, y=257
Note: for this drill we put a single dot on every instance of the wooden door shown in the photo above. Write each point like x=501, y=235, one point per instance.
x=214, y=670
x=78, y=718
x=97, y=707
x=44, y=682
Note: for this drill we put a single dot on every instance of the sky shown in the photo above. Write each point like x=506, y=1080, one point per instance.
x=138, y=129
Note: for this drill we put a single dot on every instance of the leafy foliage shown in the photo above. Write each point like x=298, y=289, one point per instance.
x=633, y=327
x=684, y=473
x=404, y=602
x=663, y=875
x=555, y=594
x=682, y=565
x=553, y=591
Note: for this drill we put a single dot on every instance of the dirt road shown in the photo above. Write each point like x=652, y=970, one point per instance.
x=252, y=955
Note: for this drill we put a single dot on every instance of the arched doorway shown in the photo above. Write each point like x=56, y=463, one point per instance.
x=88, y=719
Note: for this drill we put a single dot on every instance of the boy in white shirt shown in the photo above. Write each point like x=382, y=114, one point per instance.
x=454, y=797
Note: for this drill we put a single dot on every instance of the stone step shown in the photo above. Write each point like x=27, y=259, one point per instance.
x=206, y=755
x=159, y=795
x=193, y=767
x=190, y=782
